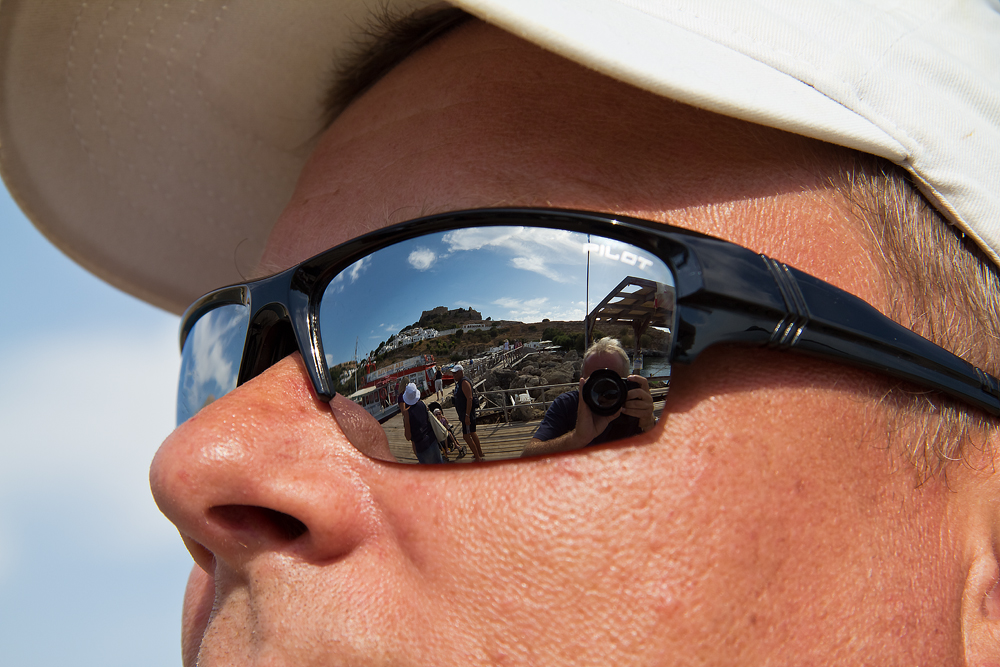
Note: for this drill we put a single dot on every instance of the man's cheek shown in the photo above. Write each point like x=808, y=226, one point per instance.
x=199, y=597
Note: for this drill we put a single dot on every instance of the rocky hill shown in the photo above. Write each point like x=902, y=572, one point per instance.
x=441, y=318
x=534, y=374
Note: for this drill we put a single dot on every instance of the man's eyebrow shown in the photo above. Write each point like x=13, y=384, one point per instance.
x=385, y=41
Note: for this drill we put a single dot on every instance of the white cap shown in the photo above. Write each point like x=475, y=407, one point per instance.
x=411, y=395
x=156, y=145
x=457, y=367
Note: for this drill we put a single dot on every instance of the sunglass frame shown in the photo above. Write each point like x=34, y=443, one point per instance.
x=725, y=294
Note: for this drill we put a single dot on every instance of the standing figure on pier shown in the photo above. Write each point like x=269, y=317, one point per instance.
x=465, y=405
x=438, y=383
x=417, y=426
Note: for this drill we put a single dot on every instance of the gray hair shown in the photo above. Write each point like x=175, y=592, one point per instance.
x=613, y=346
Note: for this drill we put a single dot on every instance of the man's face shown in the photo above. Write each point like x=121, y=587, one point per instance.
x=762, y=521
x=603, y=360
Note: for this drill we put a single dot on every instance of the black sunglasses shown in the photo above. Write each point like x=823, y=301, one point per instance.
x=516, y=296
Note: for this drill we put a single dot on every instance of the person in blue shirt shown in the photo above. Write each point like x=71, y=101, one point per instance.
x=569, y=423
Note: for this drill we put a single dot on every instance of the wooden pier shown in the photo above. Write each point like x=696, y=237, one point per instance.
x=500, y=441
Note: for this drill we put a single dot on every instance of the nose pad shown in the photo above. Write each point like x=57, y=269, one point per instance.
x=361, y=429
x=264, y=468
x=270, y=339
x=273, y=339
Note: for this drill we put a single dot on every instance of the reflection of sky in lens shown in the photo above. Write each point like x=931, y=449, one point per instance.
x=211, y=357
x=506, y=273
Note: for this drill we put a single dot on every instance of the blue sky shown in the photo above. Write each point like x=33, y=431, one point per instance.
x=90, y=571
x=507, y=273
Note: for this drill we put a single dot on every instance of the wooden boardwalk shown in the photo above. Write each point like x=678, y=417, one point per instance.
x=499, y=441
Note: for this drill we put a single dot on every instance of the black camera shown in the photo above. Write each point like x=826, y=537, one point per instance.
x=605, y=392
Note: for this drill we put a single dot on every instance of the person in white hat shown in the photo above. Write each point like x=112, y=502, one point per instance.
x=787, y=508
x=417, y=427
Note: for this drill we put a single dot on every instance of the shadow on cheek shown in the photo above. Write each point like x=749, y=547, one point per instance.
x=199, y=597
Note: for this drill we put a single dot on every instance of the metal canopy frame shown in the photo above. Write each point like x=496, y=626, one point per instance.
x=636, y=307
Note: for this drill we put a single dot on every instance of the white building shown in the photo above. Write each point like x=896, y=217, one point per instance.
x=409, y=337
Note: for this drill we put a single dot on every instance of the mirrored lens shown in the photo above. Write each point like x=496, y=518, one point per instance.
x=490, y=327
x=210, y=360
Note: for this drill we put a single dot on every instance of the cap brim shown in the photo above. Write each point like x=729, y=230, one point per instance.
x=157, y=146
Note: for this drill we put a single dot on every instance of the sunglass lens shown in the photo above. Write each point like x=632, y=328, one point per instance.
x=210, y=360
x=513, y=306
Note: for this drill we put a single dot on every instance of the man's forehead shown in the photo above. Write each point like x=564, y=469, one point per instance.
x=603, y=360
x=480, y=118
x=389, y=39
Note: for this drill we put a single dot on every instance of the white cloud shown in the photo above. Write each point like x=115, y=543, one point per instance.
x=349, y=275
x=520, y=304
x=528, y=240
x=422, y=259
x=537, y=250
x=537, y=265
x=535, y=310
x=82, y=417
x=210, y=342
x=356, y=269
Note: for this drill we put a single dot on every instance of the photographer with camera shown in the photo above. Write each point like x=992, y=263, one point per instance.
x=573, y=423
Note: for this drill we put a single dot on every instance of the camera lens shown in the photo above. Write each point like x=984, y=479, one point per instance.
x=605, y=392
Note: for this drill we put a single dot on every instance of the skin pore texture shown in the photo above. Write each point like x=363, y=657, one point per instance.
x=762, y=521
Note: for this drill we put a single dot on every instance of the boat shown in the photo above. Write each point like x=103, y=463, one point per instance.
x=379, y=394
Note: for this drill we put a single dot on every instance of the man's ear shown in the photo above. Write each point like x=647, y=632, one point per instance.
x=980, y=498
x=981, y=611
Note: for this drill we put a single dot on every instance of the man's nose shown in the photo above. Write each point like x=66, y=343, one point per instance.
x=264, y=468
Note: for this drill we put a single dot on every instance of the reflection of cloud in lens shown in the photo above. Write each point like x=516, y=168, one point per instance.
x=535, y=310
x=536, y=250
x=422, y=259
x=210, y=362
x=537, y=264
x=510, y=302
x=212, y=337
x=479, y=237
x=358, y=267
x=349, y=275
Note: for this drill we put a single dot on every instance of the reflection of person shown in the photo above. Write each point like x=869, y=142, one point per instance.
x=785, y=510
x=438, y=383
x=400, y=389
x=569, y=423
x=417, y=427
x=450, y=442
x=464, y=400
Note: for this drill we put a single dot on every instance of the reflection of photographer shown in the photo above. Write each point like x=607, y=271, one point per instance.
x=622, y=407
